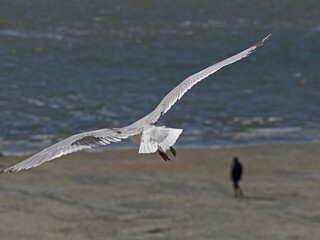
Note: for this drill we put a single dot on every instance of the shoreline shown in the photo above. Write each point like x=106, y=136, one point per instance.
x=115, y=147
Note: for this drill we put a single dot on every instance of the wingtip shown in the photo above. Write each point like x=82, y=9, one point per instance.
x=8, y=170
x=266, y=38
x=262, y=41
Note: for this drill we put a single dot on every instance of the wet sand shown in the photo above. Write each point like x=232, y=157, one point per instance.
x=118, y=194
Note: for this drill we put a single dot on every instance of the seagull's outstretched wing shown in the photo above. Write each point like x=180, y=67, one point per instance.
x=71, y=144
x=189, y=82
x=105, y=136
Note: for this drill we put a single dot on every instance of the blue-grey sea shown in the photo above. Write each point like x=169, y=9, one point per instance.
x=73, y=66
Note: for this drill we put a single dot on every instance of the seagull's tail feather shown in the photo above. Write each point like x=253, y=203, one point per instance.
x=156, y=138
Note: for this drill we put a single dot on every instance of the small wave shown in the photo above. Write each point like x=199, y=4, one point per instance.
x=253, y=121
x=30, y=35
x=267, y=132
x=36, y=102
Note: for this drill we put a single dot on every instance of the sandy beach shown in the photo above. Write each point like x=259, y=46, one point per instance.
x=118, y=194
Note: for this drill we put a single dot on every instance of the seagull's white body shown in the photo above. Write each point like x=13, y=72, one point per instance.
x=145, y=132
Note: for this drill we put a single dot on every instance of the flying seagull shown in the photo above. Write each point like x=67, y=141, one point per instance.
x=146, y=132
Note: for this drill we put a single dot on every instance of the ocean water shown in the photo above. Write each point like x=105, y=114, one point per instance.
x=73, y=66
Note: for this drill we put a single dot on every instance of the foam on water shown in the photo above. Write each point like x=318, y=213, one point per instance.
x=29, y=35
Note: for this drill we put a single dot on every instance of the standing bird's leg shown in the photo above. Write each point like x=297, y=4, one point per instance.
x=163, y=155
x=174, y=152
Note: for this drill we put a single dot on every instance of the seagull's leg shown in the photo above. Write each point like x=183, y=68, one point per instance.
x=163, y=155
x=174, y=152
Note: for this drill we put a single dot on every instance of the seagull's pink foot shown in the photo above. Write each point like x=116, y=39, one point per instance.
x=163, y=155
x=174, y=152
